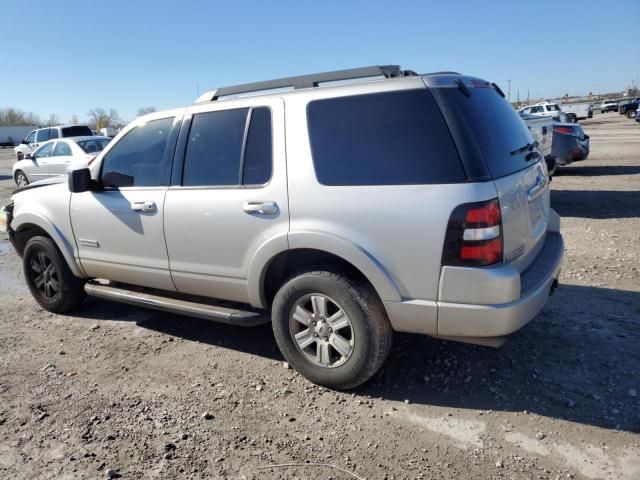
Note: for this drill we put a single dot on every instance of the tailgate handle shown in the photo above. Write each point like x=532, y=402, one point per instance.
x=538, y=188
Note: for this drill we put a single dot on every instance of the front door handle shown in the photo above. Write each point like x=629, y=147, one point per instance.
x=148, y=206
x=261, y=208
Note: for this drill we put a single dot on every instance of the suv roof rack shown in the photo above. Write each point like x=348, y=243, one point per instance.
x=307, y=81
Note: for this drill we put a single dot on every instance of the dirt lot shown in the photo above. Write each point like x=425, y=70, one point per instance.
x=115, y=387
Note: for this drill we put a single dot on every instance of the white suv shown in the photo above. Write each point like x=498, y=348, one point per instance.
x=542, y=109
x=339, y=213
x=41, y=135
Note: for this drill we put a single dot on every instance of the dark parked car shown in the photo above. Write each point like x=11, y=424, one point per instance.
x=629, y=107
x=570, y=143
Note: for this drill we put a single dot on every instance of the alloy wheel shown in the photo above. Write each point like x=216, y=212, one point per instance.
x=321, y=330
x=44, y=275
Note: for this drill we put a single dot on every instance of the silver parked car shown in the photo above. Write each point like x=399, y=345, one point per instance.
x=55, y=156
x=339, y=210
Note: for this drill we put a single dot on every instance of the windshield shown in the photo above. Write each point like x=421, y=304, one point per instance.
x=498, y=129
x=77, y=131
x=94, y=145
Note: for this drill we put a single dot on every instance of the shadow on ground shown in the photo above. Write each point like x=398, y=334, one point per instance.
x=598, y=204
x=593, y=171
x=574, y=359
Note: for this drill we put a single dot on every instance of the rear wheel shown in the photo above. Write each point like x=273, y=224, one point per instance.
x=631, y=114
x=331, y=329
x=49, y=278
x=21, y=179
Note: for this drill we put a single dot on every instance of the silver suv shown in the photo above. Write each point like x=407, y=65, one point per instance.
x=340, y=206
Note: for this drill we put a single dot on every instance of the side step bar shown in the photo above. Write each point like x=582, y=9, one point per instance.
x=207, y=311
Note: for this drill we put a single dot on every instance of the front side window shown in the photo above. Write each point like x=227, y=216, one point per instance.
x=62, y=150
x=31, y=138
x=391, y=138
x=44, y=151
x=141, y=158
x=552, y=108
x=42, y=135
x=53, y=133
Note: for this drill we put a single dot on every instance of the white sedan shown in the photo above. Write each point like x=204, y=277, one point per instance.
x=54, y=157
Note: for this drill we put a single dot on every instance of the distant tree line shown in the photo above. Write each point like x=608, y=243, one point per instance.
x=98, y=118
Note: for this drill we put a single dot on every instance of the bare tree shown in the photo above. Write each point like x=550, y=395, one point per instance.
x=53, y=120
x=98, y=118
x=13, y=117
x=74, y=120
x=144, y=110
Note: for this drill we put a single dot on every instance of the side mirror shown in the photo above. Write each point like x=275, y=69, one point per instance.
x=30, y=156
x=79, y=180
x=24, y=142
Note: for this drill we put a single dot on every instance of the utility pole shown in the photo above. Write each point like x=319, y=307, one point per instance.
x=509, y=90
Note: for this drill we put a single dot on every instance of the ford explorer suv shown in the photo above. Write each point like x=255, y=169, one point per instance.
x=41, y=135
x=340, y=207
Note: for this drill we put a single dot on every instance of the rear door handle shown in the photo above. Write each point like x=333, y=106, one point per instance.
x=261, y=208
x=148, y=206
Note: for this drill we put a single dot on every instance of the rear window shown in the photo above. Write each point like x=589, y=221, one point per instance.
x=391, y=138
x=93, y=145
x=497, y=127
x=77, y=131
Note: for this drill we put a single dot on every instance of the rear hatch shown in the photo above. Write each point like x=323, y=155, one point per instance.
x=490, y=133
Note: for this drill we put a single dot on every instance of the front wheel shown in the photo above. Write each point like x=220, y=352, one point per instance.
x=20, y=156
x=21, y=179
x=49, y=278
x=332, y=330
x=631, y=114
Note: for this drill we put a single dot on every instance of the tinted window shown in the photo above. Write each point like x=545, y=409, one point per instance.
x=62, y=149
x=53, y=133
x=552, y=108
x=31, y=138
x=496, y=126
x=141, y=158
x=42, y=135
x=93, y=145
x=44, y=151
x=76, y=131
x=258, y=151
x=214, y=148
x=396, y=138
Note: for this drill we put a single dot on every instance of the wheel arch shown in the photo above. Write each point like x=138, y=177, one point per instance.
x=28, y=225
x=310, y=249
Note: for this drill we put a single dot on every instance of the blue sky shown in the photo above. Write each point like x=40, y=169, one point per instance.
x=66, y=57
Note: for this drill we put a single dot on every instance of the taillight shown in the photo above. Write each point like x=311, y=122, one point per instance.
x=474, y=235
x=564, y=130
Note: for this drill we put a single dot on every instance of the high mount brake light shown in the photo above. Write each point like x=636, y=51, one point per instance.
x=474, y=235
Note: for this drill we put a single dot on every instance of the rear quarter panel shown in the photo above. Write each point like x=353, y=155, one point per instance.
x=400, y=228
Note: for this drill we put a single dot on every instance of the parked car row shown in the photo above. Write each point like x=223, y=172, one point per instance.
x=627, y=106
x=384, y=200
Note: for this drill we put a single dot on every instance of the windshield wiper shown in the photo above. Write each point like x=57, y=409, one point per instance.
x=528, y=146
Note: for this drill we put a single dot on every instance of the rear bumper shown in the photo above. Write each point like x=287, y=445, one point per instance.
x=498, y=320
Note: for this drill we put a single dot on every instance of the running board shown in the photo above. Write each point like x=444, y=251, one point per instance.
x=207, y=311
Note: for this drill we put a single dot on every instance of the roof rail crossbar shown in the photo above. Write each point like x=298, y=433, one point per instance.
x=307, y=81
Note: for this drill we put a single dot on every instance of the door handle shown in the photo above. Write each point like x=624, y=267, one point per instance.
x=147, y=206
x=261, y=208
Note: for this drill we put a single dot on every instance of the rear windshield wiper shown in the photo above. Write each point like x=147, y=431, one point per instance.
x=528, y=146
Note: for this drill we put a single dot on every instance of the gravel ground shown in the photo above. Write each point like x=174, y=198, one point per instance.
x=116, y=391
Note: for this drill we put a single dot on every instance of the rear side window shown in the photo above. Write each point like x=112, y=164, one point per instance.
x=53, y=133
x=391, y=138
x=141, y=158
x=77, y=131
x=62, y=150
x=42, y=135
x=215, y=155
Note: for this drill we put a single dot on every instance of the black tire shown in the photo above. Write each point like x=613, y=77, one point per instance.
x=370, y=331
x=20, y=156
x=631, y=114
x=573, y=118
x=43, y=265
x=21, y=178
